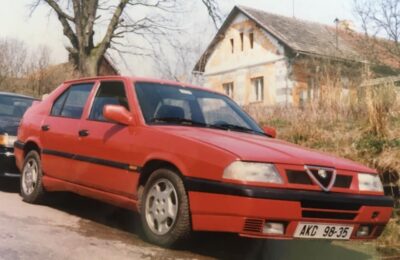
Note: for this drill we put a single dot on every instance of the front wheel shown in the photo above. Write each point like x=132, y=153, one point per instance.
x=165, y=209
x=32, y=190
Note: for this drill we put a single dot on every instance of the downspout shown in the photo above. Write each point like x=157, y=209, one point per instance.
x=289, y=73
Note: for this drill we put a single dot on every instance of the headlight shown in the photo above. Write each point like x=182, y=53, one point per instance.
x=369, y=182
x=7, y=140
x=254, y=172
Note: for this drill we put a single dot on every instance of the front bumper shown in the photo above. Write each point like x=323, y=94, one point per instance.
x=8, y=167
x=217, y=206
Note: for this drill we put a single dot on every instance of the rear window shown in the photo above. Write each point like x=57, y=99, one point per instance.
x=72, y=102
x=14, y=106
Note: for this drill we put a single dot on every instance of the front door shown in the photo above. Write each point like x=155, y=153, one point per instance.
x=104, y=151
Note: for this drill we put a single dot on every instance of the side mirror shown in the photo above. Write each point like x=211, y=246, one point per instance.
x=118, y=114
x=269, y=131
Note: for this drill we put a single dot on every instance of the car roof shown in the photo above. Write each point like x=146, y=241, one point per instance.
x=140, y=79
x=16, y=95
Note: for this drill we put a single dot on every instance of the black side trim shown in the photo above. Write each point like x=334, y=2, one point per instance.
x=93, y=160
x=58, y=154
x=19, y=145
x=209, y=186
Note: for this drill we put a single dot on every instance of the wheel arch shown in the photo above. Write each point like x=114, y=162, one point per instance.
x=150, y=166
x=31, y=145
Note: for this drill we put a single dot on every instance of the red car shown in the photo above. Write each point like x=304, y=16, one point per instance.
x=189, y=159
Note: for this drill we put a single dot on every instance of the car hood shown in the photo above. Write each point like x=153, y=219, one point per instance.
x=250, y=147
x=9, y=125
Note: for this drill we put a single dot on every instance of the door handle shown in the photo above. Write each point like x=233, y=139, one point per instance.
x=83, y=133
x=45, y=128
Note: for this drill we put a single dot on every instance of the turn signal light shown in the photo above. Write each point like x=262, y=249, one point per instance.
x=3, y=140
x=7, y=140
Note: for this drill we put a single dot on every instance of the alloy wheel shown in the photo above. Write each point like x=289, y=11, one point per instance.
x=30, y=177
x=161, y=207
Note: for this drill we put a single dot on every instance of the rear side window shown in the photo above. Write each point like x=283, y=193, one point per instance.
x=72, y=102
x=109, y=93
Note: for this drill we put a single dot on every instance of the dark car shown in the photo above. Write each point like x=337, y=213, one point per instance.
x=12, y=108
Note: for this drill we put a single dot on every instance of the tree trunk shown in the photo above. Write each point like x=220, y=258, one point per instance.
x=87, y=65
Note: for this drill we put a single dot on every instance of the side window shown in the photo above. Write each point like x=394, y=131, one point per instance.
x=58, y=105
x=258, y=89
x=72, y=102
x=228, y=89
x=109, y=93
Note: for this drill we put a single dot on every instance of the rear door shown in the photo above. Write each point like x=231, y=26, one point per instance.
x=105, y=148
x=60, y=131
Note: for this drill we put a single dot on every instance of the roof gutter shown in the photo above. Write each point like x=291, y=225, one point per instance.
x=329, y=57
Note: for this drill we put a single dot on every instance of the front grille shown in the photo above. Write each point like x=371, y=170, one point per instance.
x=328, y=215
x=301, y=177
x=326, y=180
x=253, y=225
x=343, y=181
x=298, y=177
x=311, y=204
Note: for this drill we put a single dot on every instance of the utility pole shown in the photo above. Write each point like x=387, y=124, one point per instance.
x=293, y=9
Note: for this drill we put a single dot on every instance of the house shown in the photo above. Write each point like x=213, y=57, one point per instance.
x=267, y=59
x=107, y=67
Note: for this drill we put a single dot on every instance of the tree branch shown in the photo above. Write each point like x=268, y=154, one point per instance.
x=59, y=11
x=213, y=11
x=64, y=18
x=112, y=26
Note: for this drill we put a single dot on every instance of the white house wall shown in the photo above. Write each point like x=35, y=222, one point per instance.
x=267, y=59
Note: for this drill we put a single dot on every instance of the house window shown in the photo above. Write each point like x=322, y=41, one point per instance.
x=251, y=38
x=241, y=41
x=228, y=89
x=232, y=45
x=258, y=89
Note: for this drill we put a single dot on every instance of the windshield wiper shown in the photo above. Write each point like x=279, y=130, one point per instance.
x=237, y=128
x=178, y=120
x=184, y=121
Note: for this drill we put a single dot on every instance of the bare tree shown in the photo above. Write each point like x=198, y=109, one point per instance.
x=81, y=19
x=176, y=61
x=12, y=59
x=213, y=11
x=380, y=19
x=37, y=71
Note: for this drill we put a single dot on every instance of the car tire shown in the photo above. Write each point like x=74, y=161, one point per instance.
x=164, y=209
x=32, y=190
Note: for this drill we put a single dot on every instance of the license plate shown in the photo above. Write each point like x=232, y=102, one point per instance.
x=323, y=231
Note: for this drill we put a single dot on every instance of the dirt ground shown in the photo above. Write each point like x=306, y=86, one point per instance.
x=72, y=227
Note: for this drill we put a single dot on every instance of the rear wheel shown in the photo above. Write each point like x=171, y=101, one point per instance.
x=32, y=190
x=165, y=209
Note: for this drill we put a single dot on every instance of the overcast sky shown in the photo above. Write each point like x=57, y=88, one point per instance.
x=39, y=29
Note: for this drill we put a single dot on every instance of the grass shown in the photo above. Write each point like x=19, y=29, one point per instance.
x=389, y=242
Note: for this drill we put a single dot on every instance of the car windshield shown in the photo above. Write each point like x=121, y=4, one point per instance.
x=175, y=105
x=13, y=106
